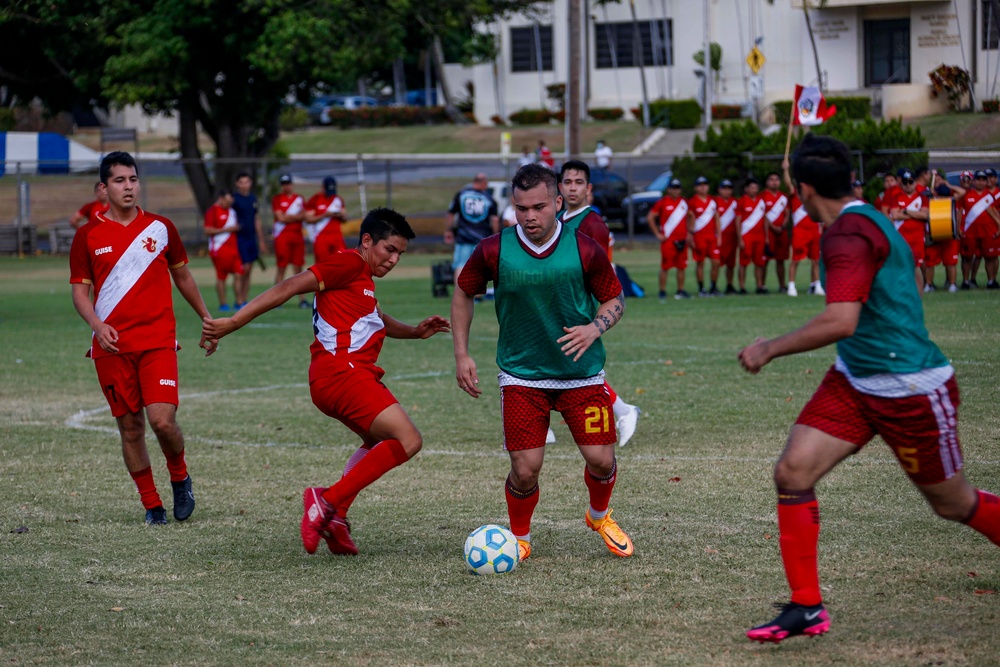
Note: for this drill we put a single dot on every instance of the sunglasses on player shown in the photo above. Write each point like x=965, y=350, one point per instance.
x=908, y=181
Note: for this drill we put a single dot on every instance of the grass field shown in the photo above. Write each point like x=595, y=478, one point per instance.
x=88, y=583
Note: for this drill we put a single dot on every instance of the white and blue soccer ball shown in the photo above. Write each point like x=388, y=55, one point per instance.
x=491, y=549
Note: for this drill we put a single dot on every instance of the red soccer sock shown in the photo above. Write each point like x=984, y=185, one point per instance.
x=798, y=526
x=383, y=457
x=520, y=506
x=361, y=453
x=600, y=488
x=611, y=393
x=147, y=489
x=986, y=517
x=176, y=466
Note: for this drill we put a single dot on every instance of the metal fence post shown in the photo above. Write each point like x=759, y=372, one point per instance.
x=631, y=202
x=361, y=185
x=861, y=166
x=388, y=184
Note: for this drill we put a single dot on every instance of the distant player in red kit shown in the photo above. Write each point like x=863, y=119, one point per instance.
x=779, y=241
x=908, y=210
x=129, y=256
x=88, y=212
x=805, y=240
x=221, y=227
x=344, y=381
x=668, y=220
x=325, y=213
x=753, y=238
x=289, y=244
x=729, y=231
x=705, y=237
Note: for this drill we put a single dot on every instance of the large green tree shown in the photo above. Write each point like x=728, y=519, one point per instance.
x=221, y=65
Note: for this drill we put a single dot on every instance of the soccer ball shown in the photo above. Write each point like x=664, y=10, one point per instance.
x=491, y=549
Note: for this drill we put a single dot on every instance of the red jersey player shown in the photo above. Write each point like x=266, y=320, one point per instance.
x=668, y=220
x=705, y=235
x=753, y=238
x=129, y=256
x=88, y=212
x=344, y=381
x=289, y=244
x=577, y=191
x=325, y=213
x=221, y=227
x=805, y=240
x=889, y=379
x=779, y=241
x=890, y=185
x=980, y=232
x=946, y=251
x=908, y=210
x=729, y=231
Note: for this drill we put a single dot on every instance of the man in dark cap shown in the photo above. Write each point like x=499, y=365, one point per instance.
x=325, y=213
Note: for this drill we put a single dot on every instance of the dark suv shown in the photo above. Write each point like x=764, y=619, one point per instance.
x=609, y=190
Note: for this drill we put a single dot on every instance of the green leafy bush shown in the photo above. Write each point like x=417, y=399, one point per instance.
x=387, y=116
x=293, y=118
x=856, y=107
x=613, y=113
x=7, y=120
x=989, y=106
x=675, y=114
x=530, y=116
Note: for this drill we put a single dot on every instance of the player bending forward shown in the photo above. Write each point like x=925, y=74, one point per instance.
x=344, y=381
x=888, y=379
x=549, y=351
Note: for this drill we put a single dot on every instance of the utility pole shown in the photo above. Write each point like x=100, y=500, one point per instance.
x=708, y=67
x=573, y=81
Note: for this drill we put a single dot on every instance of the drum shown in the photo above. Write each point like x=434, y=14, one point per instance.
x=942, y=223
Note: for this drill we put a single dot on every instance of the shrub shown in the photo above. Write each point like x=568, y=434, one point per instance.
x=387, y=116
x=675, y=114
x=727, y=111
x=991, y=106
x=856, y=107
x=557, y=93
x=293, y=118
x=613, y=113
x=952, y=81
x=530, y=116
x=7, y=120
x=497, y=119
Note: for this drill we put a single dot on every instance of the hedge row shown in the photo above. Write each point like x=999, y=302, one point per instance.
x=542, y=116
x=390, y=116
x=855, y=108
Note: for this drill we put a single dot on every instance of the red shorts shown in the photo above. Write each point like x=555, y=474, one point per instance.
x=727, y=251
x=289, y=248
x=942, y=252
x=326, y=245
x=671, y=257
x=915, y=239
x=586, y=410
x=753, y=251
x=353, y=395
x=133, y=380
x=979, y=241
x=227, y=262
x=779, y=245
x=805, y=242
x=705, y=246
x=921, y=430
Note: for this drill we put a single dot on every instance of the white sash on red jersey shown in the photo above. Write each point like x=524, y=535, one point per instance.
x=799, y=214
x=707, y=216
x=726, y=217
x=977, y=210
x=751, y=221
x=679, y=215
x=294, y=208
x=336, y=206
x=130, y=267
x=361, y=332
x=779, y=207
x=216, y=241
x=914, y=205
x=277, y=229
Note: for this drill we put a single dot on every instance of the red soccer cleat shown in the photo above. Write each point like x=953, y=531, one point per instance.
x=337, y=533
x=317, y=514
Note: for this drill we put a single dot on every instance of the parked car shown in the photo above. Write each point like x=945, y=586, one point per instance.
x=355, y=102
x=610, y=190
x=650, y=195
x=318, y=105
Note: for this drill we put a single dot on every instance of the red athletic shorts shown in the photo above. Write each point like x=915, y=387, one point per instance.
x=979, y=241
x=753, y=251
x=805, y=241
x=921, y=430
x=227, y=262
x=942, y=252
x=705, y=246
x=730, y=244
x=915, y=239
x=326, y=245
x=133, y=380
x=586, y=410
x=671, y=257
x=780, y=245
x=353, y=394
x=290, y=248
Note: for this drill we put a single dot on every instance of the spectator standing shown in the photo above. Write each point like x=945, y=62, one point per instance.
x=250, y=237
x=603, y=155
x=471, y=217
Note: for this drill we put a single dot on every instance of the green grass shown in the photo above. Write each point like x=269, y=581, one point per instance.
x=89, y=584
x=959, y=130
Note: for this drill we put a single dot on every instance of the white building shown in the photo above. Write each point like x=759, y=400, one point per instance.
x=879, y=48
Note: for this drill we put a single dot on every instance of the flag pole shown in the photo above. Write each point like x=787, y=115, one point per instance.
x=788, y=139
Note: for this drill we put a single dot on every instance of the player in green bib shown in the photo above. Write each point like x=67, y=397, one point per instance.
x=556, y=294
x=888, y=379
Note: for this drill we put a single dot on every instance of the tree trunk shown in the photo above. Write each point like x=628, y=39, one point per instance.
x=194, y=166
x=437, y=58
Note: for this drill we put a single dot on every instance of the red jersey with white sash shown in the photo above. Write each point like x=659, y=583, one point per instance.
x=672, y=217
x=346, y=322
x=128, y=267
x=326, y=227
x=727, y=213
x=775, y=205
x=751, y=213
x=292, y=204
x=802, y=224
x=973, y=207
x=912, y=230
x=217, y=217
x=884, y=198
x=704, y=214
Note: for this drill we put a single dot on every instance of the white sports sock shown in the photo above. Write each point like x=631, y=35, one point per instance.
x=597, y=516
x=620, y=407
x=524, y=538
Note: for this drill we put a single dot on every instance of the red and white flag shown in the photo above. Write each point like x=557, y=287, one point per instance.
x=810, y=107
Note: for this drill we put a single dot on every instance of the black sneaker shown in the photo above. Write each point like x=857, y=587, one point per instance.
x=703, y=292
x=992, y=285
x=305, y=304
x=183, y=499
x=974, y=284
x=731, y=290
x=743, y=291
x=763, y=290
x=714, y=292
x=966, y=285
x=663, y=296
x=156, y=516
x=794, y=619
x=681, y=294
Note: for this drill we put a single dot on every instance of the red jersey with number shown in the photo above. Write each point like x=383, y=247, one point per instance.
x=346, y=322
x=326, y=228
x=973, y=206
x=704, y=214
x=128, y=265
x=672, y=217
x=291, y=205
x=217, y=217
x=751, y=213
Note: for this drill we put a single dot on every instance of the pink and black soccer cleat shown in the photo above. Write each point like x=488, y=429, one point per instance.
x=794, y=619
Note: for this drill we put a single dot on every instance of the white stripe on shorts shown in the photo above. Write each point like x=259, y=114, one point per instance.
x=944, y=414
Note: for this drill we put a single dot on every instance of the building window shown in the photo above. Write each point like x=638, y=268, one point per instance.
x=988, y=19
x=887, y=52
x=616, y=43
x=528, y=46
